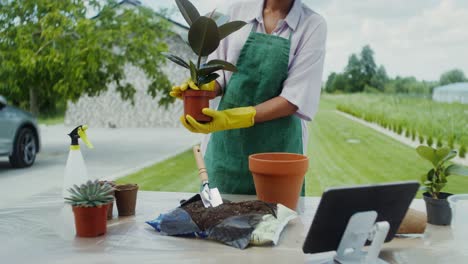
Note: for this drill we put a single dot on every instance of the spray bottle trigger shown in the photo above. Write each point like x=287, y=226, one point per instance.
x=84, y=137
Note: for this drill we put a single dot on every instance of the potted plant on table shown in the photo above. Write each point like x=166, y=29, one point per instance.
x=89, y=202
x=438, y=209
x=204, y=36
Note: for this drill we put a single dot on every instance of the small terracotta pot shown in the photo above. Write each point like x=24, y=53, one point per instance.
x=195, y=101
x=90, y=221
x=278, y=177
x=111, y=205
x=110, y=209
x=125, y=198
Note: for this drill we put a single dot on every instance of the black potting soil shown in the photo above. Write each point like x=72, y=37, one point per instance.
x=209, y=217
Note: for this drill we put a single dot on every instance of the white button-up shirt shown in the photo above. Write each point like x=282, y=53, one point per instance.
x=309, y=32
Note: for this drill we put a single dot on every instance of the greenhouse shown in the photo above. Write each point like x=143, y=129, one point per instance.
x=456, y=92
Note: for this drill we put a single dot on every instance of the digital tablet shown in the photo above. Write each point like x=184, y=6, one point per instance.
x=390, y=201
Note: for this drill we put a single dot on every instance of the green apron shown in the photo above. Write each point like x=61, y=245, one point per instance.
x=262, y=69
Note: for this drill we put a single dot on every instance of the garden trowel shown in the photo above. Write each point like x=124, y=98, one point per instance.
x=209, y=197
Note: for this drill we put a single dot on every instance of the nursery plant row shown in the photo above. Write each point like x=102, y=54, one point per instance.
x=432, y=123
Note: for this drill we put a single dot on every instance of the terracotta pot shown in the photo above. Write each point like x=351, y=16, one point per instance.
x=110, y=209
x=438, y=210
x=90, y=221
x=278, y=177
x=111, y=205
x=195, y=101
x=125, y=198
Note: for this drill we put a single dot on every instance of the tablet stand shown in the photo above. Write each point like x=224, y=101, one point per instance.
x=362, y=227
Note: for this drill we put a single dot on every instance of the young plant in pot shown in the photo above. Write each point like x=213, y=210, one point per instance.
x=204, y=36
x=438, y=209
x=89, y=202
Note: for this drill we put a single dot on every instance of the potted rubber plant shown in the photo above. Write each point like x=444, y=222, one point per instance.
x=204, y=36
x=89, y=202
x=438, y=209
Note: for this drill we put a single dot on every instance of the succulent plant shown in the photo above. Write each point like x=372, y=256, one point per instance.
x=90, y=194
x=204, y=36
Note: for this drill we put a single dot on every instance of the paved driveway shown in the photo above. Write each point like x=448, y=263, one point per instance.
x=117, y=152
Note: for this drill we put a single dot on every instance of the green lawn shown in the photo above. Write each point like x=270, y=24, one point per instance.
x=342, y=152
x=177, y=174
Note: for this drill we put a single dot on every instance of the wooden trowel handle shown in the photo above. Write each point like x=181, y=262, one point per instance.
x=202, y=173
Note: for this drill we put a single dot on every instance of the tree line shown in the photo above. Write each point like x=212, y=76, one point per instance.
x=362, y=74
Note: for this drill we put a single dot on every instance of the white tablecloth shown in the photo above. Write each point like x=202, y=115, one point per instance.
x=40, y=230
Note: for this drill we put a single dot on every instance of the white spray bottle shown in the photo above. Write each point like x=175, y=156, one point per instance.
x=75, y=169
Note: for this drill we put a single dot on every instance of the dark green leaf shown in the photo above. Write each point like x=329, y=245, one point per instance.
x=193, y=71
x=229, y=28
x=456, y=169
x=208, y=78
x=207, y=69
x=176, y=59
x=227, y=65
x=430, y=175
x=203, y=36
x=188, y=11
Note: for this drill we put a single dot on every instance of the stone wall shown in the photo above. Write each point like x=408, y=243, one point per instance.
x=109, y=110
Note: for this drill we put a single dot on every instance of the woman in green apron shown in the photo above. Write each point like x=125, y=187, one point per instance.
x=263, y=107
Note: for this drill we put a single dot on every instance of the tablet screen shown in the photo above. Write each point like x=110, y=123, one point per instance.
x=390, y=201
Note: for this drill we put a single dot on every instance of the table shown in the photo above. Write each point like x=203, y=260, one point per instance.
x=35, y=232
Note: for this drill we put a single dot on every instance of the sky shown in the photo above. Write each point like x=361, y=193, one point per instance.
x=422, y=38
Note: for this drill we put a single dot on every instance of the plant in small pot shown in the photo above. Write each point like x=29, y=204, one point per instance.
x=204, y=36
x=89, y=202
x=438, y=209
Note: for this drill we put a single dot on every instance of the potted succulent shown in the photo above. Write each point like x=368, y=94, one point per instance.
x=204, y=36
x=89, y=202
x=438, y=209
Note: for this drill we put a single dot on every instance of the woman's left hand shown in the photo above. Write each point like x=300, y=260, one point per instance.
x=235, y=118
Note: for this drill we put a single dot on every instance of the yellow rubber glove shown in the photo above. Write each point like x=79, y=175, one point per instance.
x=235, y=118
x=177, y=91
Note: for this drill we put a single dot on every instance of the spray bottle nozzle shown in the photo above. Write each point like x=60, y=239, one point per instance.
x=80, y=132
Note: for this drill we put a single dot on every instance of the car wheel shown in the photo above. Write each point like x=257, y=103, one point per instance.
x=24, y=149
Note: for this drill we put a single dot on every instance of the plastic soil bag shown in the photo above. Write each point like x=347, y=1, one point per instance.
x=233, y=224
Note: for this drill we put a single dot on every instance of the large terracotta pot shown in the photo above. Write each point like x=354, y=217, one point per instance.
x=90, y=221
x=195, y=101
x=278, y=177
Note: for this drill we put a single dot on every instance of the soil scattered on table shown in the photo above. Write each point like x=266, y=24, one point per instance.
x=208, y=217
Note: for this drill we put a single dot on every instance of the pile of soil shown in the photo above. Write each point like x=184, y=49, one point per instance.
x=208, y=217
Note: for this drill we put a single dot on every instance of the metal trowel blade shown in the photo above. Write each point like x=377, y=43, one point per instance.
x=210, y=197
x=215, y=197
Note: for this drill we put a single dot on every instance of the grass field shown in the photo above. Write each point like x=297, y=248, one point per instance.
x=342, y=152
